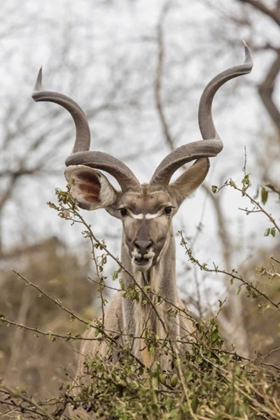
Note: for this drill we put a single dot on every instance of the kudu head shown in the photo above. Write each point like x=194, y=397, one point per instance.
x=146, y=210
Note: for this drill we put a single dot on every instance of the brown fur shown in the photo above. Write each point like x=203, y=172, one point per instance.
x=131, y=321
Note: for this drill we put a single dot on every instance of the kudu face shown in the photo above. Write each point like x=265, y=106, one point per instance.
x=146, y=210
x=146, y=218
x=146, y=214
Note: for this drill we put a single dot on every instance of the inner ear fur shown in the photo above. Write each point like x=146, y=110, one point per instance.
x=90, y=188
x=190, y=180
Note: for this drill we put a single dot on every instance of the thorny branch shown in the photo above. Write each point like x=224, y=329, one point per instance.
x=232, y=274
x=257, y=205
x=57, y=302
x=29, y=406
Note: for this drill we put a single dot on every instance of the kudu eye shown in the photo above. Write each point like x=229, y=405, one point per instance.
x=168, y=210
x=123, y=211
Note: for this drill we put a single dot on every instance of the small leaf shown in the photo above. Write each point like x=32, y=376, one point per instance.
x=214, y=189
x=270, y=231
x=264, y=195
x=162, y=378
x=52, y=205
x=174, y=380
x=115, y=275
x=195, y=404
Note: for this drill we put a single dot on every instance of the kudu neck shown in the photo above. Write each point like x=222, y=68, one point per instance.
x=161, y=276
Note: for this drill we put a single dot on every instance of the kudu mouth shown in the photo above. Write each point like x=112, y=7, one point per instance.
x=142, y=264
x=143, y=255
x=143, y=260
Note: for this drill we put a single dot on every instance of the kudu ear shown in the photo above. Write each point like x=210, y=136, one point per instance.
x=190, y=180
x=90, y=188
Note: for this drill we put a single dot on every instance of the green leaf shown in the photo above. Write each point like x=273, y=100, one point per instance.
x=195, y=404
x=264, y=195
x=174, y=380
x=52, y=206
x=270, y=231
x=214, y=189
x=115, y=275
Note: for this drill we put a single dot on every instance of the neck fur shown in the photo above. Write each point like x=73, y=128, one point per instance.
x=141, y=318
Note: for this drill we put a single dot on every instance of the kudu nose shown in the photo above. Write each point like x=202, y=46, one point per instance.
x=143, y=246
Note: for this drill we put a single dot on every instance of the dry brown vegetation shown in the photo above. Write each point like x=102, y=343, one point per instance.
x=27, y=359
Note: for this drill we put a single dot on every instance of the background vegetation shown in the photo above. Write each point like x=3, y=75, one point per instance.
x=138, y=69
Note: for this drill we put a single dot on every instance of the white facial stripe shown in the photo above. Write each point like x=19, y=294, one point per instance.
x=136, y=216
x=141, y=216
x=153, y=216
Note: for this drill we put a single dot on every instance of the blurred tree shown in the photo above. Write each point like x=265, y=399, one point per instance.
x=35, y=362
x=258, y=23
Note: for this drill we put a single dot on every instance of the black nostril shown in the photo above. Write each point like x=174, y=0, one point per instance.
x=143, y=246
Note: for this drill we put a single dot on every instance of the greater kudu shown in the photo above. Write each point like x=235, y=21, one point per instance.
x=146, y=212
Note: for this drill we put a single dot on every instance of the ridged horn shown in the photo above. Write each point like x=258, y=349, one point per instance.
x=80, y=153
x=82, y=141
x=205, y=120
x=213, y=144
